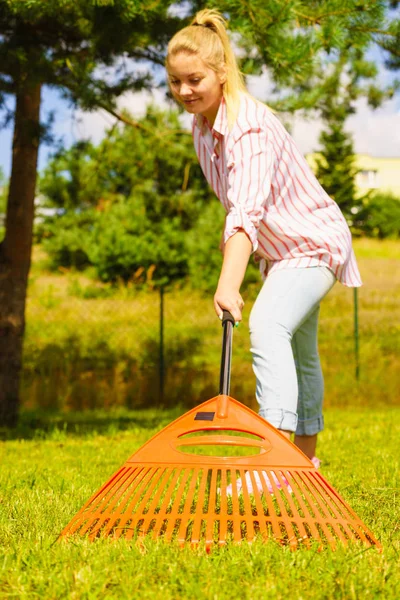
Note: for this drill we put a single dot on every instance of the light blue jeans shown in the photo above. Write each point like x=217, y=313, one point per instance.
x=283, y=334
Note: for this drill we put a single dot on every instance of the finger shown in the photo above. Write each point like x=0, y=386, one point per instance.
x=218, y=310
x=236, y=313
x=231, y=307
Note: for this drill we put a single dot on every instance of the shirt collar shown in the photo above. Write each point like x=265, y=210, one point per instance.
x=221, y=123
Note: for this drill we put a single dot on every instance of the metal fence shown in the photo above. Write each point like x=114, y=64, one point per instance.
x=130, y=349
x=134, y=349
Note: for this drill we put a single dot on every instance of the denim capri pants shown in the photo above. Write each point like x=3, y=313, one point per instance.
x=283, y=335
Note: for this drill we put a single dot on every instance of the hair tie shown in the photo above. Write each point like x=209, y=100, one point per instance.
x=206, y=25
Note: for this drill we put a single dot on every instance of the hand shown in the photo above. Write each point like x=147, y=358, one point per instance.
x=228, y=299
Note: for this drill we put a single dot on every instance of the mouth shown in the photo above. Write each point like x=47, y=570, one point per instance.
x=190, y=102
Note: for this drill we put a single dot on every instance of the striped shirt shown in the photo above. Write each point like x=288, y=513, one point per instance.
x=268, y=190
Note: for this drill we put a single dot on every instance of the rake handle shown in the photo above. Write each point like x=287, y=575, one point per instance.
x=225, y=373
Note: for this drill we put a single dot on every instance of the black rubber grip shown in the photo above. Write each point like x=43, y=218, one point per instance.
x=228, y=323
x=226, y=316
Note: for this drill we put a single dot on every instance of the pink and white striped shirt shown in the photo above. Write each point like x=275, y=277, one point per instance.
x=269, y=191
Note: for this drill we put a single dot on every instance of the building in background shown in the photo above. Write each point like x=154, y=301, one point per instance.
x=375, y=173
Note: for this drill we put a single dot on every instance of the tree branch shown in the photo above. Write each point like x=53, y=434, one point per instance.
x=133, y=123
x=370, y=30
x=147, y=55
x=316, y=20
x=336, y=13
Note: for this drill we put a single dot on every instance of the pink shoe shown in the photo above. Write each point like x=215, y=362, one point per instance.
x=257, y=479
x=316, y=462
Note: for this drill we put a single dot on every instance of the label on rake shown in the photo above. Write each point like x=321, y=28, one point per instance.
x=204, y=416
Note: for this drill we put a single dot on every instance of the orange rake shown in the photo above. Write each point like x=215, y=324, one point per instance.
x=167, y=490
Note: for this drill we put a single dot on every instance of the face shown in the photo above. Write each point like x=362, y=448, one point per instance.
x=194, y=85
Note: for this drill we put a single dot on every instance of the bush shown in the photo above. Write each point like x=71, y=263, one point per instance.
x=203, y=241
x=126, y=244
x=379, y=216
x=120, y=242
x=66, y=239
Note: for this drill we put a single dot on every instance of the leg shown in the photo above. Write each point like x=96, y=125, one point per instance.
x=307, y=444
x=286, y=300
x=311, y=385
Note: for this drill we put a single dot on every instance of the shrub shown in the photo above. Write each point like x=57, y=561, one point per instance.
x=126, y=244
x=67, y=238
x=379, y=216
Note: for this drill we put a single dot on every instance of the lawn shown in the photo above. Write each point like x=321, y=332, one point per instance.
x=53, y=463
x=90, y=392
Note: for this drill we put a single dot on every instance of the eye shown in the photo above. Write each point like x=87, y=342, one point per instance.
x=173, y=81
x=197, y=80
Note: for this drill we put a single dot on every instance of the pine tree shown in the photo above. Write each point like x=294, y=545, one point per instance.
x=336, y=163
x=389, y=41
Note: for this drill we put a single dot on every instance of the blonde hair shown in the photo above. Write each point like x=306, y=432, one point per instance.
x=207, y=37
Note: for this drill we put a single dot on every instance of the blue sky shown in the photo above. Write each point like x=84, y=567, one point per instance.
x=375, y=132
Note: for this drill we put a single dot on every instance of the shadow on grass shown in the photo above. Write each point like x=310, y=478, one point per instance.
x=50, y=424
x=69, y=376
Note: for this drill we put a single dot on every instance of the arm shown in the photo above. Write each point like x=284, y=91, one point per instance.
x=249, y=185
x=237, y=252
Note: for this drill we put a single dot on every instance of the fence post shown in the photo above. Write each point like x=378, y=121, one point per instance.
x=161, y=357
x=356, y=335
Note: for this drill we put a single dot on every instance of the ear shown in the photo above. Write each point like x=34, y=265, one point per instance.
x=223, y=75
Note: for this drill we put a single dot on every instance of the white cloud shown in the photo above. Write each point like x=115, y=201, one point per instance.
x=136, y=103
x=375, y=132
x=305, y=132
x=180, y=9
x=260, y=86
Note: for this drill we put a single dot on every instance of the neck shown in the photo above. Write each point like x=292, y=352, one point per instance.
x=212, y=112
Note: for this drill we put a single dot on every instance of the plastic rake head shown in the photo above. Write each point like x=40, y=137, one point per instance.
x=175, y=487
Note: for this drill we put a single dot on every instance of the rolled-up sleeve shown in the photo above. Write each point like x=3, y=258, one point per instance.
x=250, y=168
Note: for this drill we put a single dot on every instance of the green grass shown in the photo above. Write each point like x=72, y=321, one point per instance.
x=90, y=347
x=53, y=462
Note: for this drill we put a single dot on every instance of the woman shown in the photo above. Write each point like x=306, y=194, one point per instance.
x=275, y=208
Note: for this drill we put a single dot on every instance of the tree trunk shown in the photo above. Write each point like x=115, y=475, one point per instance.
x=15, y=250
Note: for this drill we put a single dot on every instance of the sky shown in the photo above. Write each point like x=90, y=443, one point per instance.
x=375, y=132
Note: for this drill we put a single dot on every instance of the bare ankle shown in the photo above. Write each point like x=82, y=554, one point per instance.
x=307, y=444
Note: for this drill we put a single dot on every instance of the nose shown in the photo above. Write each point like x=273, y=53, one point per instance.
x=185, y=90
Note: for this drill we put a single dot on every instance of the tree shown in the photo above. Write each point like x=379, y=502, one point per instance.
x=336, y=165
x=391, y=43
x=3, y=190
x=128, y=203
x=297, y=40
x=68, y=45
x=3, y=202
